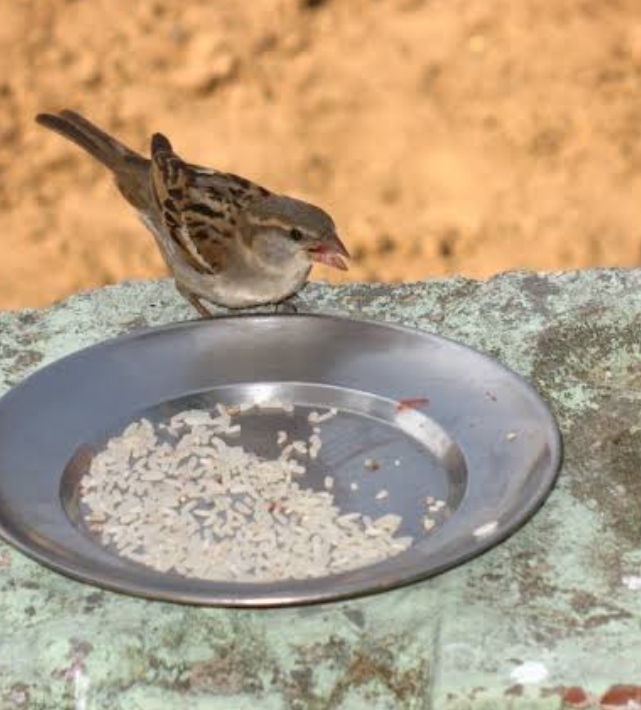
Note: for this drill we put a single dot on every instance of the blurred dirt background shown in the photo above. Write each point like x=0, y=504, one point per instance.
x=445, y=136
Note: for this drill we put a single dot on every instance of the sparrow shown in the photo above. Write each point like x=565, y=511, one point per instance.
x=225, y=239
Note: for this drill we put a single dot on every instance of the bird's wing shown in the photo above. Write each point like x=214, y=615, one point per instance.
x=200, y=207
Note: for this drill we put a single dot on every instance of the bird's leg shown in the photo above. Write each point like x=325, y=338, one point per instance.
x=198, y=305
x=286, y=306
x=195, y=302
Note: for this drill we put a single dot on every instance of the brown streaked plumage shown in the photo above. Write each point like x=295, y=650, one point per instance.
x=225, y=239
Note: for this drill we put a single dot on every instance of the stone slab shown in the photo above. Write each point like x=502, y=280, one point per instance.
x=549, y=619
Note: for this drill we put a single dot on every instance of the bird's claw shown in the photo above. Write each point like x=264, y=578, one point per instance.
x=287, y=307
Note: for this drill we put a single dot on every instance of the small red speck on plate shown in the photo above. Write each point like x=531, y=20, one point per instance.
x=412, y=403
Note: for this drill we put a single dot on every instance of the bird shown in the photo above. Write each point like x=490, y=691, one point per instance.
x=225, y=239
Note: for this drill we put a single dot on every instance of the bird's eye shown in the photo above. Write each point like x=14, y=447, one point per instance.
x=295, y=234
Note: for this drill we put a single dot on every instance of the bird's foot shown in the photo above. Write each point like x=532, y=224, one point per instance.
x=195, y=302
x=287, y=307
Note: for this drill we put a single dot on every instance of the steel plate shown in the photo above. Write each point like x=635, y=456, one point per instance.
x=482, y=440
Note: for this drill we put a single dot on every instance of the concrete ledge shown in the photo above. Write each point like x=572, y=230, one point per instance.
x=558, y=605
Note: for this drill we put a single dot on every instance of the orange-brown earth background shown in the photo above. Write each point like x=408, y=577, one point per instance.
x=445, y=136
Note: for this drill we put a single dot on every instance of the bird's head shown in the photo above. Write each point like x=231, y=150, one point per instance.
x=282, y=228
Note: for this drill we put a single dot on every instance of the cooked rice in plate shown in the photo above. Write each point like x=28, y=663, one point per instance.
x=185, y=497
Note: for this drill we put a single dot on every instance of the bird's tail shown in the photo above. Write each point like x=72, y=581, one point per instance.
x=82, y=132
x=130, y=168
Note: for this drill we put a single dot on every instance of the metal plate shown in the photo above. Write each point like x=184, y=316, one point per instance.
x=486, y=444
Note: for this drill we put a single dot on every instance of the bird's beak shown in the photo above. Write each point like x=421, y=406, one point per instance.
x=330, y=252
